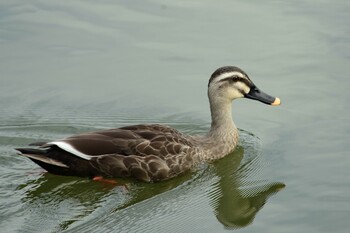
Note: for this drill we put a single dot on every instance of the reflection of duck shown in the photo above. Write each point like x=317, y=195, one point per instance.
x=232, y=208
x=152, y=152
x=57, y=189
x=60, y=201
x=67, y=201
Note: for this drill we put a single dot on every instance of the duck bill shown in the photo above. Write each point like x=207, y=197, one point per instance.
x=256, y=94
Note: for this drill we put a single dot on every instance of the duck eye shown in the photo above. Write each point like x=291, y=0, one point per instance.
x=255, y=89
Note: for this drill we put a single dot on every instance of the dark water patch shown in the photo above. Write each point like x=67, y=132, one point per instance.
x=49, y=197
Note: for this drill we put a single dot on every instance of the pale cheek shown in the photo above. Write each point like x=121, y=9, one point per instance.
x=234, y=94
x=242, y=86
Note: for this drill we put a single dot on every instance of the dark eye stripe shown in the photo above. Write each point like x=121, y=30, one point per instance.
x=236, y=79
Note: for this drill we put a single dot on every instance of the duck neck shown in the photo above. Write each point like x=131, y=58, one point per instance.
x=222, y=125
x=223, y=135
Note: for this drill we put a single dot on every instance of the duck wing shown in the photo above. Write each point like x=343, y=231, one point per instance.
x=140, y=140
x=145, y=152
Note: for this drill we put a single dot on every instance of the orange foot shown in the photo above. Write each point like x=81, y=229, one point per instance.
x=110, y=183
x=103, y=180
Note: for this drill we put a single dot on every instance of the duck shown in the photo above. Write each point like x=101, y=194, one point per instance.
x=152, y=152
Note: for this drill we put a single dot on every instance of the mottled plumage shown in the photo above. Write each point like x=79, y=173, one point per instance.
x=151, y=152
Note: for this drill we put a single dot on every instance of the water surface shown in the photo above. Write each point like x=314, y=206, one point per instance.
x=68, y=68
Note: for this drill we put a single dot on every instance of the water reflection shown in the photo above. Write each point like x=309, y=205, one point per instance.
x=235, y=206
x=62, y=201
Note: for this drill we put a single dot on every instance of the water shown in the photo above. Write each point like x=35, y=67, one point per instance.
x=71, y=67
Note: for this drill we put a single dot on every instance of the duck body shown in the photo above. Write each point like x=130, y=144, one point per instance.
x=144, y=152
x=152, y=152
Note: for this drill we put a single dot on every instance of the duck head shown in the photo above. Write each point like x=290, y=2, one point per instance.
x=229, y=82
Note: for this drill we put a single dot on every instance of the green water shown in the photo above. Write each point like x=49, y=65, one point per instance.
x=70, y=67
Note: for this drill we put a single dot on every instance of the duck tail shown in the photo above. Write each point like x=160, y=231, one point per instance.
x=40, y=157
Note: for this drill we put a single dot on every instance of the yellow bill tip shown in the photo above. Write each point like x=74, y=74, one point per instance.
x=279, y=187
x=276, y=102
